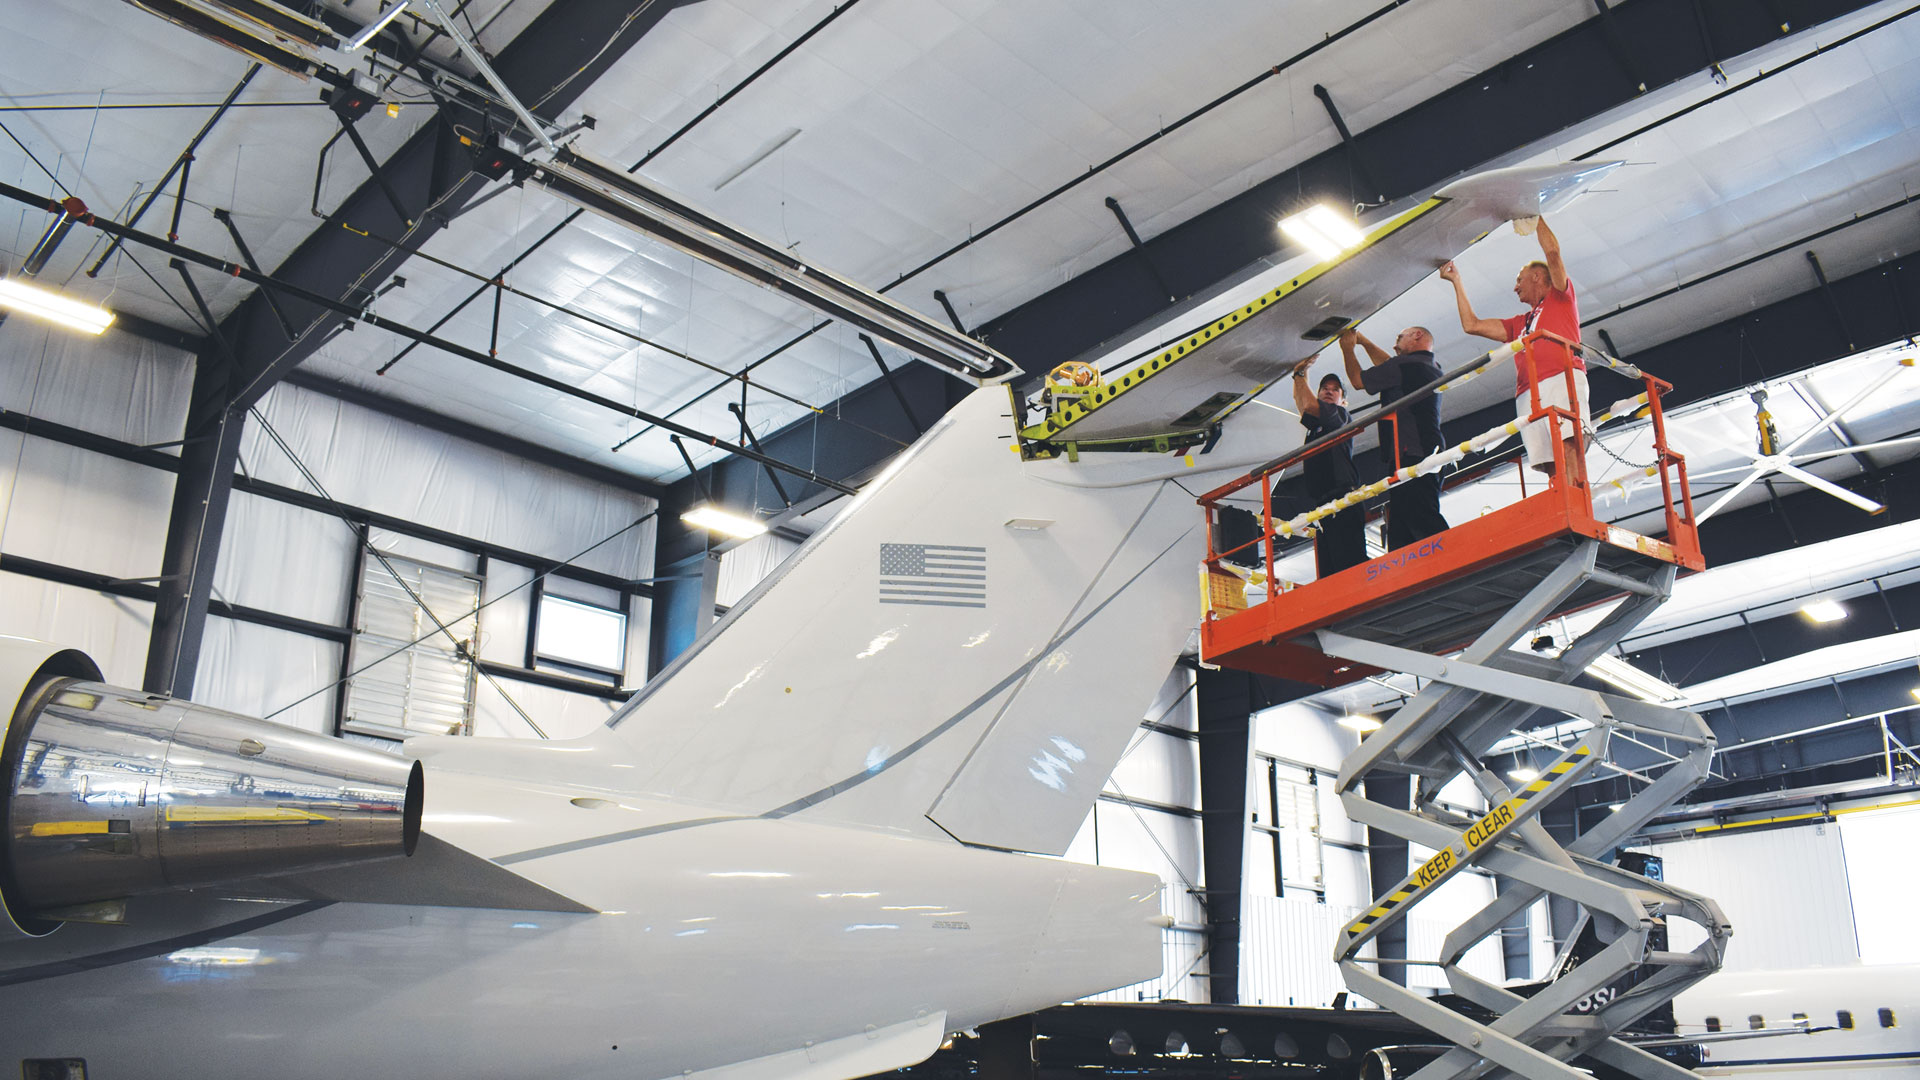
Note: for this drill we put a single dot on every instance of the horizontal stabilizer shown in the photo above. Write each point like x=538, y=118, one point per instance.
x=1213, y=369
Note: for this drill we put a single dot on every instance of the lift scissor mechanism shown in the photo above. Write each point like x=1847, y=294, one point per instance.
x=1449, y=611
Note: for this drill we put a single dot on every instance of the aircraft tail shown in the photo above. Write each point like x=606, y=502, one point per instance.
x=970, y=644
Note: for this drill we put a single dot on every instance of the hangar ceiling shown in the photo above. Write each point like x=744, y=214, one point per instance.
x=883, y=138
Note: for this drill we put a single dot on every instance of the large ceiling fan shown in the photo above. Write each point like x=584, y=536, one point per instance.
x=1789, y=460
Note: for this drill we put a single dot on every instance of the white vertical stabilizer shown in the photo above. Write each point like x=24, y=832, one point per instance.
x=968, y=643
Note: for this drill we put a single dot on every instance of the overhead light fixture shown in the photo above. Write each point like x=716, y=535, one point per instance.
x=360, y=39
x=1824, y=611
x=1360, y=723
x=1614, y=671
x=1915, y=692
x=1323, y=231
x=714, y=519
x=1525, y=776
x=53, y=307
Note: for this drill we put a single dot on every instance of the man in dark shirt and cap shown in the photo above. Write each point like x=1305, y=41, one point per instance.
x=1413, y=507
x=1329, y=474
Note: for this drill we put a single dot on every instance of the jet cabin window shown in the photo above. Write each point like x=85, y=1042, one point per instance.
x=1713, y=1024
x=1756, y=1022
x=1886, y=1018
x=1844, y=1018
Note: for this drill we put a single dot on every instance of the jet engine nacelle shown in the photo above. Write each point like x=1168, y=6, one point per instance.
x=107, y=793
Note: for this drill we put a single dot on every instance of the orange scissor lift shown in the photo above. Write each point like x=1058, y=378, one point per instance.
x=1449, y=611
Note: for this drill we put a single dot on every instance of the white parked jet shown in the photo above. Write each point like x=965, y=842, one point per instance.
x=1861, y=1022
x=813, y=846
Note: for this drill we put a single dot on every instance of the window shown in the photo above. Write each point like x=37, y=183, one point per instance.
x=1287, y=813
x=1845, y=1019
x=1756, y=1022
x=1713, y=1023
x=572, y=634
x=1886, y=1018
x=416, y=680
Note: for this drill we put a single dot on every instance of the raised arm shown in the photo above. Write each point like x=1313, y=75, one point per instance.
x=1469, y=322
x=1550, y=250
x=1347, y=339
x=1303, y=398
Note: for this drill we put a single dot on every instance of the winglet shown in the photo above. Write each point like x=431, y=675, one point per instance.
x=1528, y=190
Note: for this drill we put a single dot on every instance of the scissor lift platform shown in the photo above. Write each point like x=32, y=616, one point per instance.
x=1438, y=595
x=1450, y=610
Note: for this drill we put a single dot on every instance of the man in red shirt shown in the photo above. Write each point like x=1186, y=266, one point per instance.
x=1549, y=295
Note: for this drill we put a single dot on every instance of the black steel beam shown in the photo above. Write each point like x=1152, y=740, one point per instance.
x=1388, y=863
x=194, y=526
x=156, y=459
x=1225, y=703
x=406, y=527
x=146, y=590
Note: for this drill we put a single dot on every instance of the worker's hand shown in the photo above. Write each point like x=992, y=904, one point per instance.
x=1350, y=335
x=1450, y=272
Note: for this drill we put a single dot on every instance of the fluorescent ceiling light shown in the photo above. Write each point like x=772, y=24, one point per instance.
x=1915, y=692
x=53, y=307
x=1359, y=723
x=714, y=519
x=1323, y=231
x=377, y=25
x=1614, y=671
x=1525, y=776
x=1824, y=611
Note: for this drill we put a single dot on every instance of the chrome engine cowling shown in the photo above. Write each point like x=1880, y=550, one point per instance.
x=107, y=793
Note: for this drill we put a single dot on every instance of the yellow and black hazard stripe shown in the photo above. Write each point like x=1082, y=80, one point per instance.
x=1491, y=825
x=1560, y=768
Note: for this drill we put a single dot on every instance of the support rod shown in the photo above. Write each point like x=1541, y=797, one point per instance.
x=180, y=197
x=747, y=436
x=1346, y=139
x=954, y=316
x=379, y=174
x=185, y=156
x=225, y=217
x=893, y=384
x=1140, y=246
x=1826, y=290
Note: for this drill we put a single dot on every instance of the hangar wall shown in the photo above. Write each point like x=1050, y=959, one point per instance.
x=74, y=508
x=289, y=565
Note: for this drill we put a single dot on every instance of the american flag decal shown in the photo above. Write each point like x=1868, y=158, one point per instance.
x=940, y=575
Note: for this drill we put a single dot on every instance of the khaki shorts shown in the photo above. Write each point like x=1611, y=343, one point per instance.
x=1538, y=437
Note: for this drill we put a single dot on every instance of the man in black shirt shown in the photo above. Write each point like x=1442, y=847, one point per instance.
x=1330, y=474
x=1413, y=508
